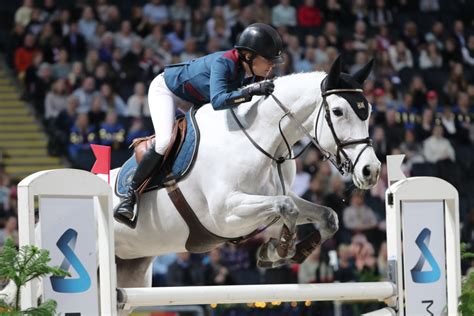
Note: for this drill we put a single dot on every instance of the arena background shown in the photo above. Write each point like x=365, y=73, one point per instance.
x=74, y=73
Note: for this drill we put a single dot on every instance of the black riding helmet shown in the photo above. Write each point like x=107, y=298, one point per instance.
x=263, y=40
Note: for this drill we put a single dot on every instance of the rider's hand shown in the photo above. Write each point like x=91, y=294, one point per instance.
x=261, y=88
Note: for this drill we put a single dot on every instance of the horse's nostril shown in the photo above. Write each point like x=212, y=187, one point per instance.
x=366, y=171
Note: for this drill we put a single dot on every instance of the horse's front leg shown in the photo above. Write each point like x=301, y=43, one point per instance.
x=323, y=217
x=263, y=209
x=325, y=220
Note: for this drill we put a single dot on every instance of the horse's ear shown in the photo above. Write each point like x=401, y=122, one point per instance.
x=332, y=79
x=364, y=72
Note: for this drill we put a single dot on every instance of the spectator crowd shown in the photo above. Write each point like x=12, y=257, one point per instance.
x=85, y=68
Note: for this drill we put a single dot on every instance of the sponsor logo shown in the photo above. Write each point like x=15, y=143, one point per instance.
x=419, y=276
x=66, y=243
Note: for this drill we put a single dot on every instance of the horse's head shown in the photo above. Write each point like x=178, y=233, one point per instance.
x=342, y=125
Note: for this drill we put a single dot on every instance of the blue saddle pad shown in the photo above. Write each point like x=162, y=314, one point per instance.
x=181, y=166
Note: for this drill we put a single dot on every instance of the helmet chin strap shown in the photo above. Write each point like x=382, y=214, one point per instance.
x=249, y=62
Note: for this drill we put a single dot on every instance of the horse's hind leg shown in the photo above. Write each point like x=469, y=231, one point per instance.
x=133, y=273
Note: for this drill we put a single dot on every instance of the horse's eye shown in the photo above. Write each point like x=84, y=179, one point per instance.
x=337, y=112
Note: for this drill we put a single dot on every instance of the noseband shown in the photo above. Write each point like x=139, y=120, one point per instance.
x=344, y=163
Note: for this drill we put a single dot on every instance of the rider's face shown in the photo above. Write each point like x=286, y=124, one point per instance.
x=262, y=66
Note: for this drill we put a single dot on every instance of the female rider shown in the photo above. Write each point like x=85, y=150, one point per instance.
x=214, y=78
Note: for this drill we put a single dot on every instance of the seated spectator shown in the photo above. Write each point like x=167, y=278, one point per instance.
x=153, y=40
x=430, y=57
x=35, y=25
x=23, y=13
x=284, y=14
x=111, y=132
x=400, y=56
x=380, y=15
x=137, y=104
x=437, y=148
x=379, y=142
x=75, y=43
x=359, y=10
x=217, y=27
x=346, y=268
x=411, y=148
x=432, y=101
x=215, y=273
x=331, y=32
x=180, y=10
x=315, y=270
x=468, y=51
x=184, y=272
x=125, y=38
x=61, y=68
x=96, y=113
x=301, y=183
x=364, y=255
x=177, y=37
x=307, y=63
x=85, y=94
x=87, y=24
x=42, y=84
x=81, y=136
x=67, y=117
x=56, y=100
x=394, y=131
x=358, y=217
x=136, y=130
x=24, y=55
x=112, y=101
x=156, y=12
x=112, y=20
x=105, y=51
x=418, y=90
x=407, y=114
x=309, y=16
x=10, y=231
x=359, y=40
x=316, y=190
x=75, y=77
x=334, y=11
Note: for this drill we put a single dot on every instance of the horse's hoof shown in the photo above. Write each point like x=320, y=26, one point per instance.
x=305, y=247
x=126, y=221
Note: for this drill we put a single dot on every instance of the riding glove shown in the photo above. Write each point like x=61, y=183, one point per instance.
x=259, y=88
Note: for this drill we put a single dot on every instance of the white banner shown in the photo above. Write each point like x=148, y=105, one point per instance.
x=424, y=257
x=71, y=240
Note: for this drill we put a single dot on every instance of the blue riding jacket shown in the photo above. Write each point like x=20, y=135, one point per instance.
x=213, y=78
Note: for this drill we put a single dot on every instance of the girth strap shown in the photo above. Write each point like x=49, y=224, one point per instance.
x=200, y=239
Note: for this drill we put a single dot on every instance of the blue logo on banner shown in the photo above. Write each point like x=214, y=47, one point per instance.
x=418, y=276
x=66, y=244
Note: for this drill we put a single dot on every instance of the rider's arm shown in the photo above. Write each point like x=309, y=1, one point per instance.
x=221, y=98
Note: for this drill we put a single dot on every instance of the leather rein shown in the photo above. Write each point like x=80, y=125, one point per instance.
x=344, y=165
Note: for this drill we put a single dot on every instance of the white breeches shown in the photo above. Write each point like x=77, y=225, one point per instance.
x=162, y=103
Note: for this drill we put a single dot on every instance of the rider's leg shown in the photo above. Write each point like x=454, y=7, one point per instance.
x=162, y=110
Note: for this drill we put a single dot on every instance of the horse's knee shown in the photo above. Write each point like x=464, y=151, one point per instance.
x=287, y=208
x=332, y=221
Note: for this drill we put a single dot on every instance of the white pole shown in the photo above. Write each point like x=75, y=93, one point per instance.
x=360, y=291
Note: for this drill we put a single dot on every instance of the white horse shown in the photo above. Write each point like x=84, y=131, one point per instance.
x=234, y=189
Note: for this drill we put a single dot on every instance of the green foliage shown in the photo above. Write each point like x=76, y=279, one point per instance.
x=466, y=305
x=22, y=266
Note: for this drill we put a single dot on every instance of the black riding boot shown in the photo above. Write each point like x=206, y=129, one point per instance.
x=124, y=211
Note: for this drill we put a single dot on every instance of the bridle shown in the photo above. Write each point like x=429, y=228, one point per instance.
x=344, y=163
